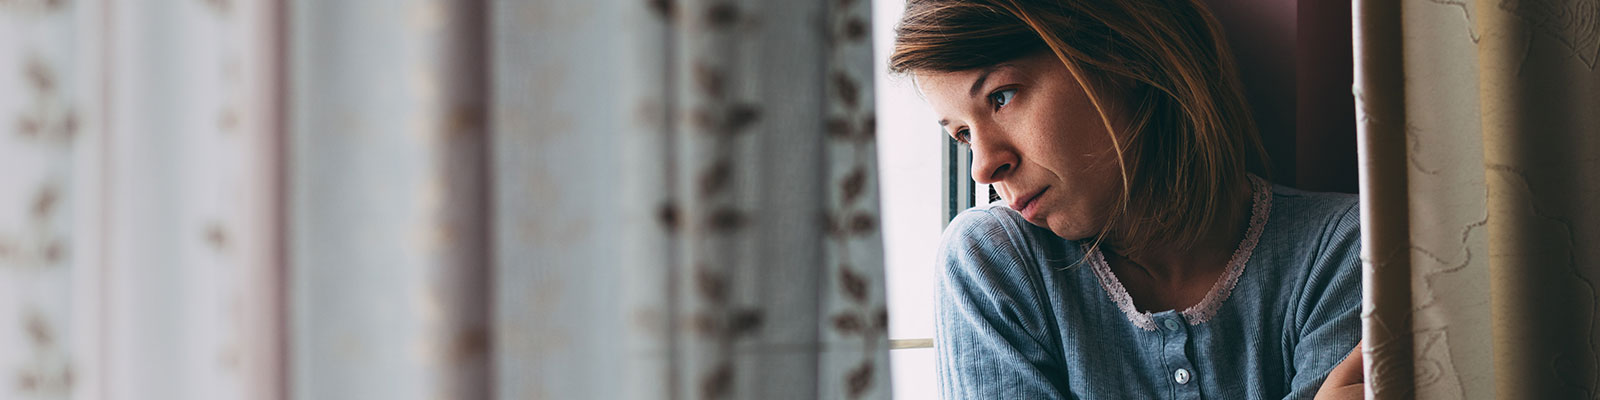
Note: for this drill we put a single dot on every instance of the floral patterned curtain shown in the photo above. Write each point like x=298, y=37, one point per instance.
x=1478, y=168
x=139, y=201
x=40, y=156
x=694, y=212
x=214, y=199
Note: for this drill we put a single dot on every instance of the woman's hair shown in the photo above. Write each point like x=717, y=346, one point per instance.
x=1190, y=139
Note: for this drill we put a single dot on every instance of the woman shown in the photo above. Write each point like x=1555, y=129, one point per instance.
x=1134, y=253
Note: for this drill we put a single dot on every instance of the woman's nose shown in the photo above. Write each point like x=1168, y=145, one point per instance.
x=991, y=161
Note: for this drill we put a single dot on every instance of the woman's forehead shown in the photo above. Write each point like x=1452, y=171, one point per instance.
x=960, y=82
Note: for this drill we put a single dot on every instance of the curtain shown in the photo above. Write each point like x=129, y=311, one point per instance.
x=378, y=199
x=1477, y=142
x=139, y=217
x=687, y=203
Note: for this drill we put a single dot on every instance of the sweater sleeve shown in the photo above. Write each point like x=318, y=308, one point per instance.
x=993, y=323
x=1328, y=324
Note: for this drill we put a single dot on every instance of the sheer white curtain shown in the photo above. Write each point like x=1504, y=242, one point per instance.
x=387, y=200
x=693, y=200
x=1478, y=167
x=370, y=199
x=139, y=196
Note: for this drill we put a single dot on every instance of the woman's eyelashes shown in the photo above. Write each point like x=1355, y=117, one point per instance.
x=962, y=136
x=1000, y=98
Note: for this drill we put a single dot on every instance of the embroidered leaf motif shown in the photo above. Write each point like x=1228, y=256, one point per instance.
x=741, y=116
x=854, y=285
x=726, y=220
x=711, y=286
x=722, y=16
x=859, y=380
x=709, y=80
x=38, y=330
x=837, y=128
x=715, y=178
x=718, y=383
x=667, y=215
x=846, y=323
x=854, y=184
x=855, y=29
x=862, y=224
x=662, y=8
x=846, y=88
x=745, y=323
x=44, y=202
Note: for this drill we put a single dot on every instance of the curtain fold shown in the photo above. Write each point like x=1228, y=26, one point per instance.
x=138, y=243
x=45, y=216
x=1478, y=163
x=399, y=199
x=750, y=263
x=388, y=200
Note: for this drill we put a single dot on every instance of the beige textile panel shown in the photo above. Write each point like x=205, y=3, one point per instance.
x=1479, y=143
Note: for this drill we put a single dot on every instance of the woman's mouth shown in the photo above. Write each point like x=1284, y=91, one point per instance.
x=1027, y=205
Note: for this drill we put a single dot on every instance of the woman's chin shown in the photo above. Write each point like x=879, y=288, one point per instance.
x=1066, y=230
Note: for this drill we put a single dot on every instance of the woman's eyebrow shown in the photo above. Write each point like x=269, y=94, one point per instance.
x=978, y=84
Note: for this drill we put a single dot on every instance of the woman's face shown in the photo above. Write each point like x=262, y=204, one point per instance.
x=1036, y=137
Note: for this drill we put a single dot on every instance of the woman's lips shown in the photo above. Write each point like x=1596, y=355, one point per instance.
x=1026, y=205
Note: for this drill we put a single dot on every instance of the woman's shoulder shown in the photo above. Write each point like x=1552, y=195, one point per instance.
x=990, y=226
x=990, y=255
x=1317, y=243
x=984, y=217
x=1320, y=233
x=1331, y=203
x=994, y=228
x=1316, y=213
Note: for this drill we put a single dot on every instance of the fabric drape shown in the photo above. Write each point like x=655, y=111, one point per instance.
x=730, y=147
x=140, y=218
x=384, y=199
x=1478, y=147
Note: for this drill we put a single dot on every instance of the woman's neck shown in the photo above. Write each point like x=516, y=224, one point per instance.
x=1167, y=264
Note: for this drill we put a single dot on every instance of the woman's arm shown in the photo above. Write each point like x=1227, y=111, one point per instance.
x=1329, y=314
x=992, y=317
x=1347, y=380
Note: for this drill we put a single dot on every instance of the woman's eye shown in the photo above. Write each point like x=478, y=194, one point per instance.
x=963, y=136
x=1002, y=98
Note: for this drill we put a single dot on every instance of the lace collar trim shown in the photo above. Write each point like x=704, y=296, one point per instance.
x=1261, y=204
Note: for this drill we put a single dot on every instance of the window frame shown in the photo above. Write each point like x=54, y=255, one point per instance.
x=959, y=188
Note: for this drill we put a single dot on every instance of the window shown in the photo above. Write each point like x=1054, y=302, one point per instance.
x=923, y=182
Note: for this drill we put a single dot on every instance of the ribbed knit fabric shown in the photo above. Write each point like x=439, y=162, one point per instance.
x=1015, y=322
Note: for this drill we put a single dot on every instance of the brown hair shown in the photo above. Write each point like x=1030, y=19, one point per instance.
x=1190, y=137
